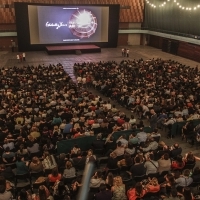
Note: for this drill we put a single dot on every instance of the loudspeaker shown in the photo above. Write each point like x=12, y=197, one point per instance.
x=78, y=52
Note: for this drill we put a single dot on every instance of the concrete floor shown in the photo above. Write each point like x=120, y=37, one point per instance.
x=8, y=59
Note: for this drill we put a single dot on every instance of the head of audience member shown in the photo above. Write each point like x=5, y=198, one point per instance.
x=90, y=153
x=170, y=179
x=161, y=145
x=154, y=181
x=69, y=165
x=179, y=159
x=98, y=174
x=150, y=156
x=99, y=136
x=186, y=173
x=196, y=171
x=79, y=153
x=166, y=156
x=36, y=160
x=23, y=195
x=7, y=149
x=110, y=179
x=128, y=159
x=137, y=160
x=190, y=157
x=54, y=172
x=130, y=145
x=119, y=144
x=118, y=181
x=176, y=146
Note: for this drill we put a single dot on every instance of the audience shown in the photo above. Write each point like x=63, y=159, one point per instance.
x=41, y=106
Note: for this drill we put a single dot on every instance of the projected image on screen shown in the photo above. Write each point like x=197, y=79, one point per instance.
x=58, y=24
x=83, y=23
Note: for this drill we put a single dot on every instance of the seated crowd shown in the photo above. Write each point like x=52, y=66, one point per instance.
x=41, y=106
x=171, y=89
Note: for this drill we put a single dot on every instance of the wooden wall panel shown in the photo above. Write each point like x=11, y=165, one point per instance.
x=123, y=25
x=134, y=14
x=190, y=51
x=5, y=43
x=155, y=41
x=122, y=39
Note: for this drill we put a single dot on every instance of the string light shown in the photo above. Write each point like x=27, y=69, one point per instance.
x=151, y=4
x=178, y=4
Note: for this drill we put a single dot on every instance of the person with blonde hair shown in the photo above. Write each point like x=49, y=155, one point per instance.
x=118, y=189
x=70, y=171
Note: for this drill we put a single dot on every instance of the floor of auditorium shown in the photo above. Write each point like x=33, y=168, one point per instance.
x=8, y=59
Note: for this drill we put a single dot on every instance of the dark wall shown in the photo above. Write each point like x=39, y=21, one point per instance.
x=171, y=18
x=183, y=49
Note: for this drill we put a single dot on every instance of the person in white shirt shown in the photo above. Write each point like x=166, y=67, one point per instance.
x=127, y=52
x=18, y=58
x=79, y=80
x=123, y=52
x=84, y=80
x=123, y=140
x=108, y=105
x=170, y=121
x=151, y=165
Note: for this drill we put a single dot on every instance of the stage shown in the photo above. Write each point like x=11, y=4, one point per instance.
x=72, y=49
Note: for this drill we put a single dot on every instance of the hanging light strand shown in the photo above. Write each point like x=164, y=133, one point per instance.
x=176, y=2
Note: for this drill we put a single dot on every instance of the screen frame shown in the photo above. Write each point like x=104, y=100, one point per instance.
x=23, y=32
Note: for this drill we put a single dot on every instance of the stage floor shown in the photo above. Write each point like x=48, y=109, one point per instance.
x=71, y=49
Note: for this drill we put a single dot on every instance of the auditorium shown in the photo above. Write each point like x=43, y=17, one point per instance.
x=99, y=100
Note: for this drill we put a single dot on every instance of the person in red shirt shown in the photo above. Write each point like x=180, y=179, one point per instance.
x=54, y=176
x=179, y=163
x=137, y=192
x=121, y=120
x=78, y=133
